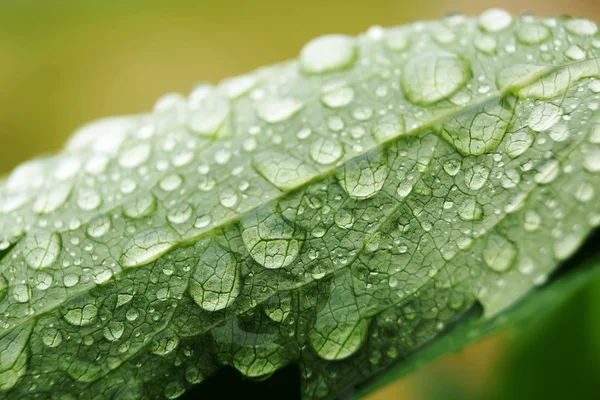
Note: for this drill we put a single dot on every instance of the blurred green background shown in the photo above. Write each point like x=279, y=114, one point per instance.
x=65, y=62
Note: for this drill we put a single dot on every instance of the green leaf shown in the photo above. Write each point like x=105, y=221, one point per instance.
x=338, y=212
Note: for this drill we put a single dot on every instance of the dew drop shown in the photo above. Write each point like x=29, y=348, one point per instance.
x=494, y=20
x=499, y=253
x=278, y=110
x=326, y=151
x=113, y=330
x=283, y=170
x=328, y=53
x=147, y=246
x=81, y=316
x=52, y=337
x=134, y=156
x=363, y=177
x=434, y=76
x=272, y=241
x=140, y=207
x=42, y=249
x=337, y=96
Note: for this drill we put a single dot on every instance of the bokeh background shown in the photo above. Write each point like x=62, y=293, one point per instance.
x=66, y=62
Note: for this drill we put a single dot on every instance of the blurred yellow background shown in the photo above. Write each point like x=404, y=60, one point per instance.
x=65, y=62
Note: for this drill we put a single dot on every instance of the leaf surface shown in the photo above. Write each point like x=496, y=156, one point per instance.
x=338, y=211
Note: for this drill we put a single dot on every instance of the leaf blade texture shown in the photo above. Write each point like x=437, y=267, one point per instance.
x=338, y=211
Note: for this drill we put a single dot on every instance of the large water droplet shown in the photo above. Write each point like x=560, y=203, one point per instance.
x=215, y=282
x=326, y=151
x=544, y=116
x=88, y=199
x=531, y=34
x=52, y=337
x=283, y=170
x=42, y=249
x=476, y=176
x=113, y=330
x=336, y=96
x=478, y=131
x=271, y=241
x=147, y=246
x=134, y=156
x=343, y=341
x=434, y=76
x=363, y=177
x=494, y=20
x=140, y=207
x=278, y=110
x=581, y=27
x=209, y=117
x=470, y=210
x=328, y=53
x=51, y=199
x=499, y=253
x=389, y=127
x=81, y=314
x=164, y=342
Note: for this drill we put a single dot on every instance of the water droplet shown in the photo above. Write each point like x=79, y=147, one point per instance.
x=544, y=116
x=584, y=192
x=434, y=76
x=389, y=127
x=476, y=176
x=517, y=75
x=278, y=308
x=134, y=156
x=575, y=52
x=565, y=246
x=518, y=143
x=547, y=172
x=52, y=337
x=98, y=226
x=209, y=116
x=404, y=189
x=22, y=293
x=164, y=342
x=88, y=199
x=531, y=34
x=494, y=20
x=581, y=27
x=591, y=158
x=396, y=40
x=337, y=96
x=344, y=219
x=486, y=44
x=271, y=241
x=113, y=330
x=170, y=182
x=344, y=339
x=81, y=315
x=278, y=110
x=325, y=151
x=147, y=246
x=283, y=170
x=479, y=131
x=215, y=282
x=363, y=177
x=42, y=249
x=180, y=213
x=228, y=198
x=499, y=253
x=470, y=210
x=140, y=207
x=52, y=198
x=202, y=222
x=328, y=53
